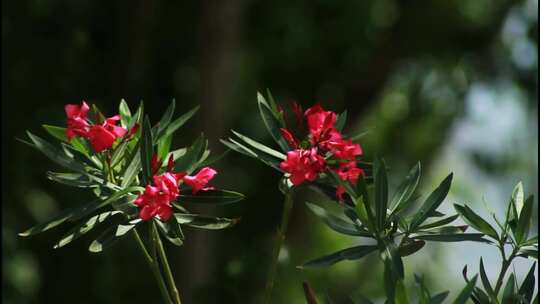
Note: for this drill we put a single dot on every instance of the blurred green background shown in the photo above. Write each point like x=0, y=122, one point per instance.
x=452, y=84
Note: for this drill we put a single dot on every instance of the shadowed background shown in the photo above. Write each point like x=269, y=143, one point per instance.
x=452, y=84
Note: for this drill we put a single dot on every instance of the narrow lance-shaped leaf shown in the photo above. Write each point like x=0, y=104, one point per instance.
x=165, y=120
x=514, y=208
x=509, y=293
x=57, y=132
x=466, y=292
x=381, y=194
x=110, y=237
x=524, y=221
x=433, y=201
x=55, y=154
x=475, y=221
x=439, y=298
x=336, y=223
x=353, y=253
x=204, y=222
x=271, y=122
x=188, y=162
x=180, y=121
x=259, y=146
x=163, y=147
x=171, y=230
x=125, y=113
x=146, y=151
x=485, y=281
x=214, y=196
x=84, y=227
x=527, y=287
x=340, y=121
x=459, y=237
x=405, y=190
x=401, y=296
x=442, y=222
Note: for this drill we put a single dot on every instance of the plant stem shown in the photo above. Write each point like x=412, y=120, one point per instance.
x=505, y=264
x=168, y=272
x=280, y=237
x=152, y=262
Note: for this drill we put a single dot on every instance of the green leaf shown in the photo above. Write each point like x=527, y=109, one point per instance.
x=352, y=253
x=340, y=121
x=132, y=169
x=401, y=296
x=260, y=146
x=524, y=222
x=57, y=132
x=466, y=292
x=442, y=222
x=163, y=146
x=110, y=237
x=529, y=252
x=189, y=161
x=459, y=237
x=356, y=137
x=180, y=121
x=146, y=151
x=72, y=179
x=55, y=154
x=84, y=227
x=172, y=231
x=439, y=298
x=411, y=246
x=527, y=287
x=485, y=282
x=336, y=223
x=423, y=294
x=165, y=119
x=125, y=113
x=514, y=208
x=77, y=212
x=212, y=159
x=61, y=218
x=271, y=122
x=432, y=202
x=204, y=222
x=214, y=196
x=509, y=293
x=381, y=193
x=402, y=198
x=238, y=147
x=475, y=221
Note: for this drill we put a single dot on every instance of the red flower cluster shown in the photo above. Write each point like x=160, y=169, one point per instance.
x=101, y=136
x=156, y=200
x=309, y=158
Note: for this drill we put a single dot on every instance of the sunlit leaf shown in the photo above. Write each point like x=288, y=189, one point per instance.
x=352, y=253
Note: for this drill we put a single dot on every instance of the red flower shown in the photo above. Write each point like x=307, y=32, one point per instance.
x=348, y=172
x=76, y=120
x=156, y=200
x=345, y=149
x=293, y=143
x=321, y=127
x=200, y=180
x=103, y=136
x=303, y=165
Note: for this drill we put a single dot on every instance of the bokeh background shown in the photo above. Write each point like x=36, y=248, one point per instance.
x=452, y=84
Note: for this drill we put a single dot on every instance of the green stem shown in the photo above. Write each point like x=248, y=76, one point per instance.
x=505, y=264
x=280, y=237
x=152, y=262
x=168, y=272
